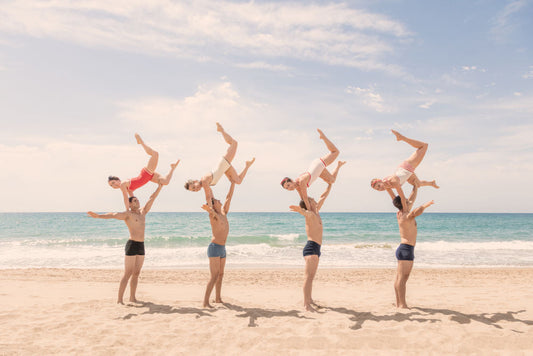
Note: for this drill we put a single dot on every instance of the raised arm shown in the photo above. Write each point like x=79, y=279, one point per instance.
x=118, y=216
x=418, y=211
x=125, y=195
x=323, y=197
x=208, y=193
x=299, y=210
x=302, y=190
x=399, y=189
x=412, y=198
x=228, y=198
x=150, y=201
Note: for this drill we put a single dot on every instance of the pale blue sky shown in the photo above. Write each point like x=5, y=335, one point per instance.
x=79, y=78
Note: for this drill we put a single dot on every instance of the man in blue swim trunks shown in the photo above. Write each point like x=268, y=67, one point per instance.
x=314, y=231
x=217, y=248
x=405, y=252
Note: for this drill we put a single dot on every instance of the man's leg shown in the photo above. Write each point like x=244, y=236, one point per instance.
x=402, y=274
x=139, y=260
x=154, y=156
x=421, y=148
x=333, y=151
x=311, y=265
x=214, y=269
x=218, y=289
x=129, y=264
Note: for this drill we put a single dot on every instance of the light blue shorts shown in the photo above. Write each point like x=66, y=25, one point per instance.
x=216, y=250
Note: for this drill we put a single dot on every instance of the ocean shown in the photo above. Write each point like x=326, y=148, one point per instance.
x=265, y=240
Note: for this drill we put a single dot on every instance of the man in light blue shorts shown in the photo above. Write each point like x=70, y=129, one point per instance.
x=406, y=251
x=217, y=248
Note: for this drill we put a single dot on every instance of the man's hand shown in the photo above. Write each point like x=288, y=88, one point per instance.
x=92, y=215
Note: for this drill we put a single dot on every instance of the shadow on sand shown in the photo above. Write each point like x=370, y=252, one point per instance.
x=165, y=309
x=256, y=313
x=361, y=317
x=486, y=318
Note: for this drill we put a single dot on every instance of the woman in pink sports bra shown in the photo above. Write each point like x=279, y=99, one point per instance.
x=405, y=171
x=315, y=170
x=148, y=174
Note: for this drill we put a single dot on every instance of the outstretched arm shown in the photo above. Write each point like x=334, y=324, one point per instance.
x=391, y=193
x=418, y=211
x=412, y=198
x=323, y=197
x=210, y=210
x=228, y=198
x=118, y=216
x=208, y=193
x=299, y=210
x=302, y=190
x=150, y=201
x=125, y=195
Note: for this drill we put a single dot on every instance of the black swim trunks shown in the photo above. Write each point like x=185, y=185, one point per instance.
x=311, y=248
x=405, y=252
x=134, y=248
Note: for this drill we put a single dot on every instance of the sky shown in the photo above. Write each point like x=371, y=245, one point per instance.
x=79, y=78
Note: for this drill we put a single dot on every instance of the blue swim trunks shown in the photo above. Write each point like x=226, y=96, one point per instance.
x=311, y=248
x=216, y=250
x=405, y=252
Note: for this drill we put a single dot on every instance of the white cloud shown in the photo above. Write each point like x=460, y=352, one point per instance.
x=222, y=30
x=263, y=65
x=369, y=97
x=473, y=69
x=529, y=74
x=505, y=23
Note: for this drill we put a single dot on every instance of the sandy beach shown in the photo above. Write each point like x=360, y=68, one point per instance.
x=453, y=311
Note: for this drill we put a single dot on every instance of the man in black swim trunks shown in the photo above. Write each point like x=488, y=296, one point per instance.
x=405, y=252
x=311, y=252
x=133, y=262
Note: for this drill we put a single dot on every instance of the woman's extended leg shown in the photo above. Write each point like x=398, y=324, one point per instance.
x=334, y=151
x=421, y=149
x=154, y=156
x=232, y=175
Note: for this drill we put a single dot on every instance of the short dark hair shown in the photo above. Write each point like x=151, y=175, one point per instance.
x=397, y=202
x=302, y=204
x=285, y=180
x=131, y=198
x=188, y=183
x=110, y=178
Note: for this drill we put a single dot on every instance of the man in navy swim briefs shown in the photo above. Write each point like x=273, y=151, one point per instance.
x=405, y=252
x=314, y=230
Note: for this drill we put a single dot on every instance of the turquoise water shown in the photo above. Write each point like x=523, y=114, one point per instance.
x=179, y=240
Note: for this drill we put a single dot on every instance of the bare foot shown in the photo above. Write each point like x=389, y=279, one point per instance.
x=322, y=136
x=341, y=163
x=134, y=300
x=249, y=163
x=219, y=300
x=403, y=306
x=398, y=135
x=220, y=128
x=174, y=165
x=434, y=184
x=318, y=306
x=207, y=305
x=139, y=139
x=309, y=308
x=120, y=302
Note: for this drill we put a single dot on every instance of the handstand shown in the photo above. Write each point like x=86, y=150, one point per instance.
x=315, y=170
x=224, y=167
x=405, y=171
x=311, y=251
x=148, y=174
x=405, y=253
x=133, y=262
x=216, y=250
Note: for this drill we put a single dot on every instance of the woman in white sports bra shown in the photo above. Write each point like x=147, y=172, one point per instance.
x=315, y=170
x=405, y=171
x=224, y=167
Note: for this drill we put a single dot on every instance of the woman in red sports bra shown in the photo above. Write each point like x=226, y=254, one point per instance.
x=148, y=174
